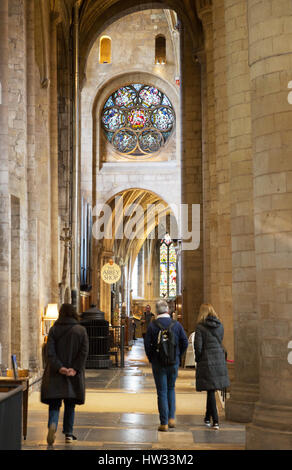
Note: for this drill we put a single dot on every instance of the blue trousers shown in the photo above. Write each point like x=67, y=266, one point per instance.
x=165, y=378
x=69, y=414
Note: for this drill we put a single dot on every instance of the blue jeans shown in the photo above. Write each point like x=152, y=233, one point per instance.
x=165, y=378
x=69, y=414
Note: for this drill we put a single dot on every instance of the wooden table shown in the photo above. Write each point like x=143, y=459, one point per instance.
x=6, y=384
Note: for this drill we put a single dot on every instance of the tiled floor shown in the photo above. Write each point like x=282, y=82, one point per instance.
x=120, y=413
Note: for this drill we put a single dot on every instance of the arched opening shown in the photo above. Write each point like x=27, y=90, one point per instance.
x=160, y=49
x=105, y=50
x=136, y=220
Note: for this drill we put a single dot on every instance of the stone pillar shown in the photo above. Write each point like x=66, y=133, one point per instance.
x=54, y=160
x=206, y=58
x=34, y=316
x=5, y=319
x=192, y=260
x=244, y=389
x=76, y=198
x=270, y=60
x=224, y=270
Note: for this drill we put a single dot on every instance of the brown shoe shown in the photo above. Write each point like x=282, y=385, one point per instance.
x=163, y=427
x=171, y=423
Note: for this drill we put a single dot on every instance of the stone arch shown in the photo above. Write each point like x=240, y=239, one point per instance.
x=147, y=187
x=92, y=24
x=138, y=195
x=125, y=248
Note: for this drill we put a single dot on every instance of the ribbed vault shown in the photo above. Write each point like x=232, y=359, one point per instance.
x=141, y=210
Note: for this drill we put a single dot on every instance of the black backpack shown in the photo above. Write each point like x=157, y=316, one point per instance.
x=166, y=345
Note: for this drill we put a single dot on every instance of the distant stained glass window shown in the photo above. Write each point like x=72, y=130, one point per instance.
x=167, y=268
x=138, y=119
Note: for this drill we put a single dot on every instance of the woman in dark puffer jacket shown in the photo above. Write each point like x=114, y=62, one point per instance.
x=211, y=370
x=64, y=374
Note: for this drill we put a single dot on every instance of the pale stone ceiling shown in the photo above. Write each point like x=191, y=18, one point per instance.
x=96, y=15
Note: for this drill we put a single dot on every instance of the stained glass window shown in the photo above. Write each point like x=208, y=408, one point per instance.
x=167, y=268
x=138, y=119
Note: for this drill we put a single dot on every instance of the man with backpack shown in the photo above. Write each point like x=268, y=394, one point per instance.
x=165, y=343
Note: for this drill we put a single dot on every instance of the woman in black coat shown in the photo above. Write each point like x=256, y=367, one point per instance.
x=64, y=374
x=211, y=370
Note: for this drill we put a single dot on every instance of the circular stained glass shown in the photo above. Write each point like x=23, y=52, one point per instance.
x=113, y=119
x=150, y=96
x=138, y=119
x=125, y=97
x=150, y=141
x=162, y=118
x=125, y=140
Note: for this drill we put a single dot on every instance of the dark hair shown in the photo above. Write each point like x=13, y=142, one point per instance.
x=67, y=310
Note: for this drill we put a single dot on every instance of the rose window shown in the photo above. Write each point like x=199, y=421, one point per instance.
x=138, y=119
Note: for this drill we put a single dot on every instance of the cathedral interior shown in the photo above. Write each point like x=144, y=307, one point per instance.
x=114, y=114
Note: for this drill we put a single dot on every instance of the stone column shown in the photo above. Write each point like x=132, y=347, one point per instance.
x=206, y=58
x=5, y=319
x=244, y=389
x=270, y=60
x=76, y=198
x=224, y=270
x=32, y=344
x=192, y=260
x=54, y=159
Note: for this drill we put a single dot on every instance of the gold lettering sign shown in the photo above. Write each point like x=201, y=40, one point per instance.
x=111, y=273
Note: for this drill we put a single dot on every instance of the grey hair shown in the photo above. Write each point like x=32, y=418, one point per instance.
x=161, y=307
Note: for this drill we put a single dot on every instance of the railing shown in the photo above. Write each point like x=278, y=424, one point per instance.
x=11, y=418
x=117, y=344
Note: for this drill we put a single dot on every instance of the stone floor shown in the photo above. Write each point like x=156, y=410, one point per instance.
x=120, y=413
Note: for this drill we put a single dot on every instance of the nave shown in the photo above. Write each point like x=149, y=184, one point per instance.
x=120, y=413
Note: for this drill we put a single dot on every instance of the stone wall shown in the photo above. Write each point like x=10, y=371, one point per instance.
x=25, y=184
x=5, y=288
x=137, y=64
